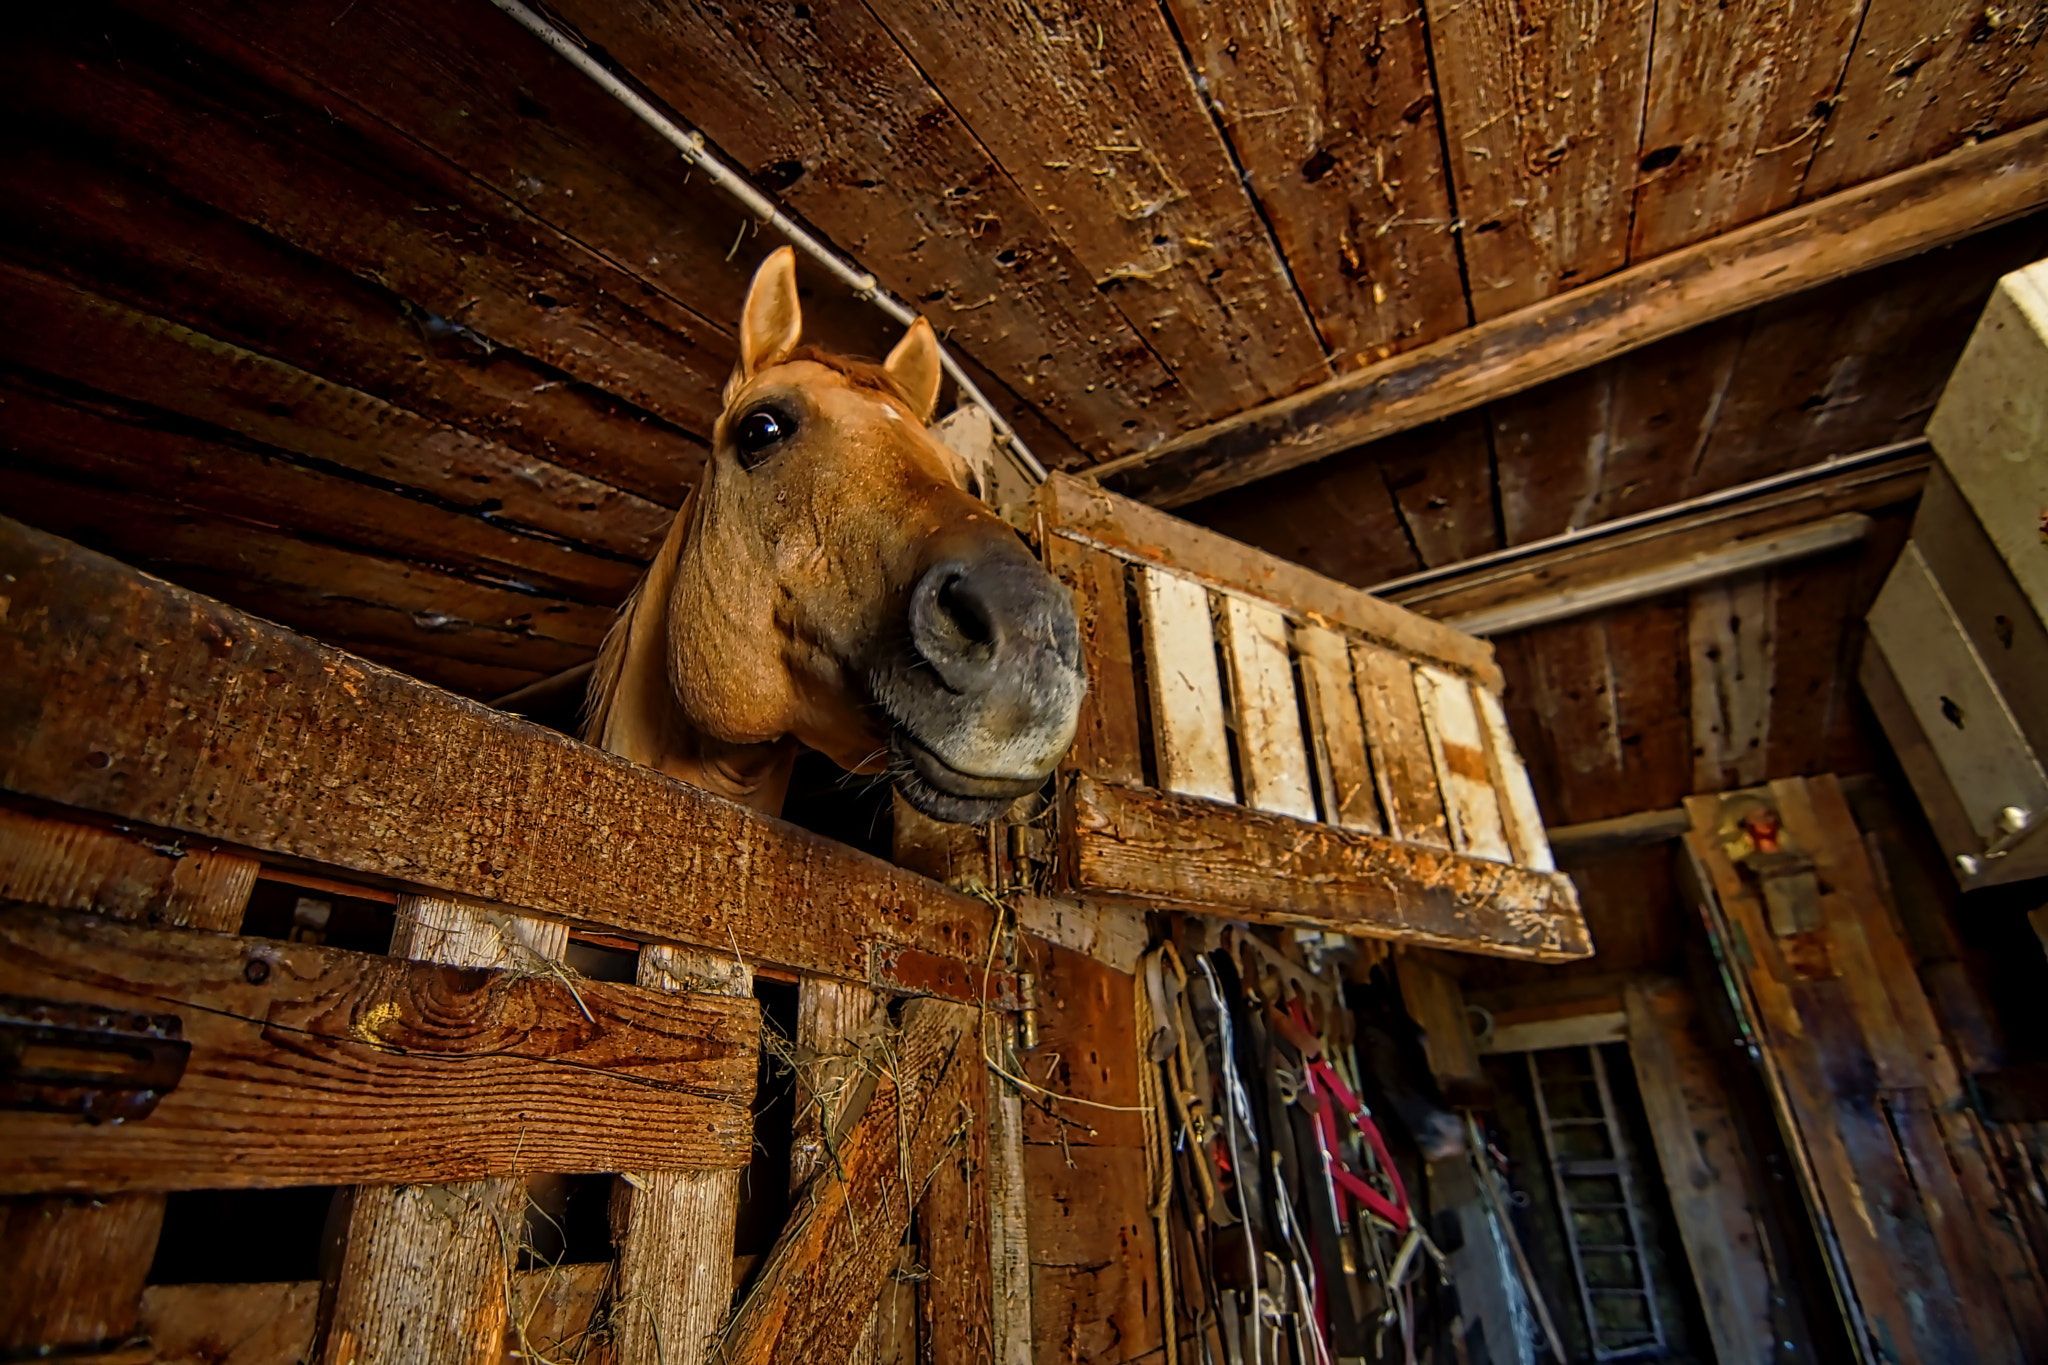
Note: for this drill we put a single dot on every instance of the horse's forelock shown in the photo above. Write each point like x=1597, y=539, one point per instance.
x=862, y=374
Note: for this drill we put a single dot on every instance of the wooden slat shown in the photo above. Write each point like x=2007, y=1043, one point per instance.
x=70, y=332
x=955, y=1300
x=1090, y=514
x=1271, y=751
x=1926, y=76
x=956, y=223
x=1724, y=1272
x=674, y=1228
x=1009, y=1232
x=1094, y=1257
x=1436, y=1002
x=426, y=1269
x=1110, y=738
x=1738, y=102
x=1732, y=645
x=1400, y=747
x=1084, y=1019
x=1443, y=487
x=307, y=1062
x=1511, y=785
x=1167, y=851
x=816, y=1291
x=1542, y=113
x=128, y=237
x=281, y=154
x=120, y=874
x=1186, y=693
x=1464, y=771
x=1890, y=219
x=1332, y=114
x=311, y=765
x=1337, y=728
x=1127, y=164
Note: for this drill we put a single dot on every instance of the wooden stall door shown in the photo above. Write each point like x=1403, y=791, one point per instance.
x=1917, y=1224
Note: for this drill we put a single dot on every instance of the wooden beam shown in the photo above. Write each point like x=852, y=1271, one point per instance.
x=1171, y=852
x=1571, y=1030
x=311, y=1065
x=1669, y=575
x=1623, y=831
x=816, y=1292
x=1900, y=215
x=1583, y=561
x=242, y=732
x=1436, y=1002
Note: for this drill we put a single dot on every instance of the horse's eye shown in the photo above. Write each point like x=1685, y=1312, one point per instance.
x=760, y=429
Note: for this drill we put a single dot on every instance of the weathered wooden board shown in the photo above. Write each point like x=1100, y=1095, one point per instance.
x=1732, y=647
x=311, y=1065
x=75, y=1271
x=1111, y=736
x=1337, y=725
x=1272, y=753
x=1084, y=1021
x=1188, y=727
x=250, y=735
x=121, y=874
x=1094, y=1263
x=1887, y=220
x=1394, y=734
x=815, y=1292
x=1463, y=769
x=1331, y=110
x=1163, y=850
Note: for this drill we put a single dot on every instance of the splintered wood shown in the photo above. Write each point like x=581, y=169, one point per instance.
x=1322, y=758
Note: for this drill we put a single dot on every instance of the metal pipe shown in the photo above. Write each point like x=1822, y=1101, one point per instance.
x=697, y=151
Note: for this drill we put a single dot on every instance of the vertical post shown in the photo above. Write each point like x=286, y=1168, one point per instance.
x=425, y=1271
x=74, y=1267
x=830, y=1017
x=675, y=1229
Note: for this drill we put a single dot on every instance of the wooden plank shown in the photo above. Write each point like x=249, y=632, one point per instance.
x=1129, y=165
x=288, y=1084
x=427, y=1268
x=1738, y=1323
x=1331, y=110
x=935, y=214
x=1271, y=754
x=1886, y=220
x=1090, y=514
x=1595, y=837
x=1436, y=1003
x=1110, y=738
x=1670, y=575
x=1166, y=851
x=125, y=236
x=1980, y=1289
x=1009, y=1228
x=116, y=445
x=1094, y=1263
x=1343, y=764
x=816, y=1290
x=1510, y=781
x=673, y=1282
x=955, y=1300
x=121, y=874
x=1538, y=1035
x=1085, y=1009
x=1111, y=934
x=1731, y=640
x=70, y=332
x=1876, y=481
x=349, y=597
x=1399, y=747
x=75, y=1271
x=1543, y=116
x=276, y=152
x=190, y=748
x=231, y=1324
x=1738, y=100
x=1444, y=489
x=1459, y=747
x=1924, y=78
x=831, y=1017
x=1188, y=731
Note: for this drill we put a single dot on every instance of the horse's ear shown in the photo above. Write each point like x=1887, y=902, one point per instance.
x=772, y=322
x=915, y=365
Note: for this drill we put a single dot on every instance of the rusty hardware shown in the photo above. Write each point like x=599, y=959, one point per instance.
x=1027, y=1012
x=105, y=1065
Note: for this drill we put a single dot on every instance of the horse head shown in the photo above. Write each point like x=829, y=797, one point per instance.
x=833, y=581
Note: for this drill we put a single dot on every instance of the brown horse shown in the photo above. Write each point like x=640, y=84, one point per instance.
x=832, y=582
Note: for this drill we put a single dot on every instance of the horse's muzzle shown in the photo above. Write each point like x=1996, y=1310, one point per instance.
x=987, y=700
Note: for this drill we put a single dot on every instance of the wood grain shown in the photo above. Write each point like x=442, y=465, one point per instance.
x=1542, y=113
x=1189, y=732
x=1111, y=739
x=75, y=1270
x=1463, y=769
x=121, y=874
x=816, y=1291
x=1163, y=850
x=337, y=761
x=1343, y=762
x=312, y=1065
x=1398, y=744
x=1733, y=642
x=1272, y=754
x=1332, y=111
x=1886, y=220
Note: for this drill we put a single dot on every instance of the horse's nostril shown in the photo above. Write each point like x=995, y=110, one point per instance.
x=964, y=610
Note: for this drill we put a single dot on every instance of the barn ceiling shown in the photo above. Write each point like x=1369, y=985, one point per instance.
x=376, y=318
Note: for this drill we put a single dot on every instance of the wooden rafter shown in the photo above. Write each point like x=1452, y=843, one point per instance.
x=1855, y=230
